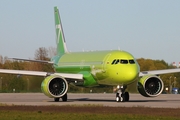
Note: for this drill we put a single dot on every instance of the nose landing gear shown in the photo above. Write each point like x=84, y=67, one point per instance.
x=121, y=95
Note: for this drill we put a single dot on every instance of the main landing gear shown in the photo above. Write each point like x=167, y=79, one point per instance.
x=64, y=98
x=121, y=95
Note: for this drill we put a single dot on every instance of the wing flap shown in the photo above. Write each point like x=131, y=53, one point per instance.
x=158, y=72
x=40, y=61
x=23, y=72
x=38, y=73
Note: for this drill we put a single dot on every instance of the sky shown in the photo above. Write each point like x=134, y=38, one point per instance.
x=146, y=28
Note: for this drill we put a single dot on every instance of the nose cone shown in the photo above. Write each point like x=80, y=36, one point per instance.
x=130, y=74
x=126, y=74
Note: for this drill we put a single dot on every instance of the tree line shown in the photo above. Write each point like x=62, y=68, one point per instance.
x=18, y=83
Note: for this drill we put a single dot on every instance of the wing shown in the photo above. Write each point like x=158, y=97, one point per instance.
x=158, y=72
x=40, y=61
x=38, y=73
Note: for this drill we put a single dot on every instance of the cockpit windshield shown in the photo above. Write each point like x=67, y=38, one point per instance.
x=131, y=61
x=123, y=61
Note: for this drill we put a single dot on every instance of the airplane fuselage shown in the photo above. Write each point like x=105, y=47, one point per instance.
x=100, y=67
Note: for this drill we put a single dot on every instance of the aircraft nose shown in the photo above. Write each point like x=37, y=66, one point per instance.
x=129, y=74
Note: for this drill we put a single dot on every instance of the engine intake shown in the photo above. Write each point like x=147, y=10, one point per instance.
x=150, y=86
x=54, y=86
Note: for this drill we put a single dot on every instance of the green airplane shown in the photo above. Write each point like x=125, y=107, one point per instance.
x=94, y=69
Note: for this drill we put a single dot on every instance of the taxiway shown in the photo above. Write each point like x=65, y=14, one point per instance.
x=136, y=100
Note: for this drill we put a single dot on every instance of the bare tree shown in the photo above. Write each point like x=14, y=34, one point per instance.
x=1, y=60
x=41, y=54
x=52, y=51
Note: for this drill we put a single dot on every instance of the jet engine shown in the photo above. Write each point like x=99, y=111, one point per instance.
x=150, y=86
x=54, y=86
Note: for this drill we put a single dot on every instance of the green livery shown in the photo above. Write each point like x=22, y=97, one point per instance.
x=60, y=40
x=99, y=66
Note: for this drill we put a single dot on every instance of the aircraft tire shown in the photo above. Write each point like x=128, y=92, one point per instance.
x=122, y=97
x=56, y=99
x=118, y=99
x=64, y=98
x=126, y=95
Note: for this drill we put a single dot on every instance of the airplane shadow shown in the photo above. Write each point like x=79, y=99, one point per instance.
x=147, y=101
x=106, y=100
x=86, y=100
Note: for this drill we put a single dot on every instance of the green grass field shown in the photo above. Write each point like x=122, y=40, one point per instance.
x=39, y=115
x=89, y=112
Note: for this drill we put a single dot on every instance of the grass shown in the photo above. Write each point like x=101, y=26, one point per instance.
x=40, y=115
x=85, y=112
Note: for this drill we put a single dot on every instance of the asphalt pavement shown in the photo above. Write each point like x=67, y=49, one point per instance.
x=102, y=99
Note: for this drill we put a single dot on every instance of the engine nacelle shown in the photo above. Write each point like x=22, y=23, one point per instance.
x=150, y=86
x=54, y=86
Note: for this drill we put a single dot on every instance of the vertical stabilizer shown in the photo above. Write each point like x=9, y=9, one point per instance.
x=60, y=40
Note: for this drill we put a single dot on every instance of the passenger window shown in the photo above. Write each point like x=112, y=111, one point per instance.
x=124, y=61
x=131, y=61
x=113, y=61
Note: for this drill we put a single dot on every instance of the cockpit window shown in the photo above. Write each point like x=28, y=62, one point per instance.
x=117, y=61
x=124, y=61
x=131, y=61
x=113, y=61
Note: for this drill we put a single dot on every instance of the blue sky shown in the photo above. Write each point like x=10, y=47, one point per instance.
x=148, y=29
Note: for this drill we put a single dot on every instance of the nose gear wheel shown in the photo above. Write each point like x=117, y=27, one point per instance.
x=121, y=95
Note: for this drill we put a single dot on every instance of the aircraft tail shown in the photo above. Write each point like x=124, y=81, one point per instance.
x=60, y=40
